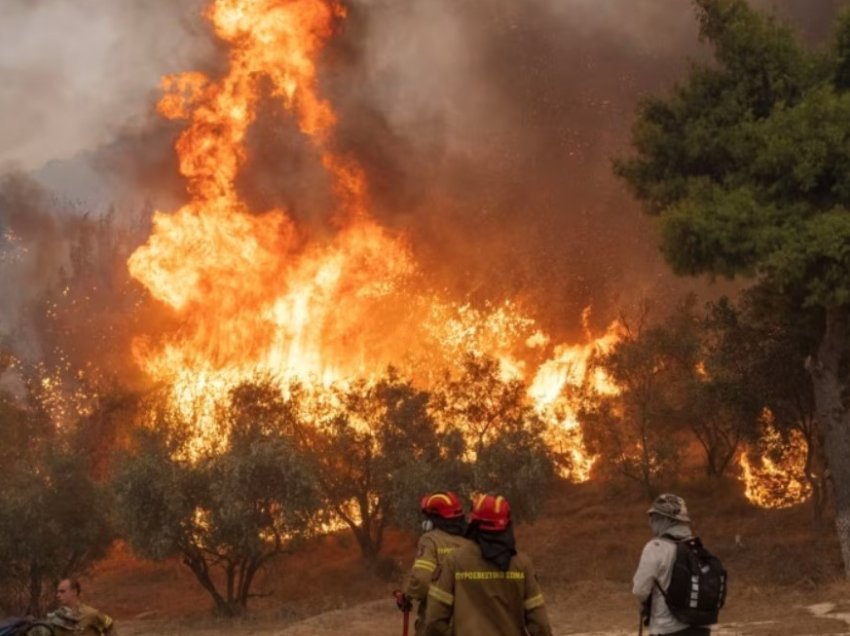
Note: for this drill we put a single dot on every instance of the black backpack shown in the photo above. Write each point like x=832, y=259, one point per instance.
x=697, y=587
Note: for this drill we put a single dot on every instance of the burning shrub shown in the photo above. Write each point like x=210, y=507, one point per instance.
x=507, y=449
x=231, y=510
x=775, y=467
x=378, y=448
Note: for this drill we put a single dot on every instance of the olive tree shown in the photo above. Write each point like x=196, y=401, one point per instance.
x=747, y=165
x=227, y=512
x=55, y=520
x=378, y=449
x=507, y=449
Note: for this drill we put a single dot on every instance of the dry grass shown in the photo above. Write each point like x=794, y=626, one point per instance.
x=585, y=548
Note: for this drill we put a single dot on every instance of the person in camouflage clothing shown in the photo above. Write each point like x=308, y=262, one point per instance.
x=487, y=588
x=444, y=526
x=73, y=617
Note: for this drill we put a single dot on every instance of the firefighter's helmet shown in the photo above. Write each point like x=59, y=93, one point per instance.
x=445, y=504
x=671, y=506
x=492, y=513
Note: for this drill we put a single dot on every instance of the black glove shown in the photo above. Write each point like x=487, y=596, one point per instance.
x=402, y=601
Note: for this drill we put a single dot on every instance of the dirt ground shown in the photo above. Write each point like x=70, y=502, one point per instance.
x=575, y=611
x=786, y=575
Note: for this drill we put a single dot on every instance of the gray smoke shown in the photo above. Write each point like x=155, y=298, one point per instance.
x=75, y=73
x=489, y=127
x=486, y=127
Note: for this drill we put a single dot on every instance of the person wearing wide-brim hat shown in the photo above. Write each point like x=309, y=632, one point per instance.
x=670, y=523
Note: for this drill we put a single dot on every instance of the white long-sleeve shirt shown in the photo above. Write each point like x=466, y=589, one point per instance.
x=656, y=564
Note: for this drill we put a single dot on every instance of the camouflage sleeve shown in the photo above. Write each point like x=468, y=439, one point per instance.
x=536, y=617
x=106, y=625
x=441, y=600
x=419, y=578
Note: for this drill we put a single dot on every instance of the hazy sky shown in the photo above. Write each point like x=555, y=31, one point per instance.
x=486, y=127
x=72, y=72
x=75, y=71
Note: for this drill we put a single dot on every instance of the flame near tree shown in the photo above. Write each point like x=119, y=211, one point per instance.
x=777, y=479
x=256, y=294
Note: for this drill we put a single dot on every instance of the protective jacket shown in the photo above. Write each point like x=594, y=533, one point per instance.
x=656, y=564
x=483, y=600
x=431, y=551
x=81, y=620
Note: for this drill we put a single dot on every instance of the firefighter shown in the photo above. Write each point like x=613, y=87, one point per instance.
x=487, y=588
x=444, y=526
x=73, y=617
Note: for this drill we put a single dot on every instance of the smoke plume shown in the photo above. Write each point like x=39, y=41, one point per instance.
x=486, y=128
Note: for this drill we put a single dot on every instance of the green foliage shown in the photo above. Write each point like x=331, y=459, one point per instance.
x=55, y=520
x=231, y=510
x=635, y=432
x=508, y=452
x=377, y=451
x=748, y=162
x=841, y=74
x=722, y=400
x=517, y=464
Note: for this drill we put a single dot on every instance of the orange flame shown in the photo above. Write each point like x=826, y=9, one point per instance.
x=570, y=368
x=256, y=295
x=778, y=478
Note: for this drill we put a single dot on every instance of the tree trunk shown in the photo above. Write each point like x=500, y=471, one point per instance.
x=834, y=419
x=814, y=472
x=368, y=550
x=199, y=568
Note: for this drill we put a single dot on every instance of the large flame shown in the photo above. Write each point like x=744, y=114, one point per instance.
x=571, y=368
x=777, y=478
x=256, y=294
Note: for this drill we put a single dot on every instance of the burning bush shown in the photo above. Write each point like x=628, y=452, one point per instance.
x=229, y=511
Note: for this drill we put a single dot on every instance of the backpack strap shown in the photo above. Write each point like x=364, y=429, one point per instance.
x=677, y=541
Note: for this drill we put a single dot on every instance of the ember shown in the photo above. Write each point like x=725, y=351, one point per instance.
x=256, y=294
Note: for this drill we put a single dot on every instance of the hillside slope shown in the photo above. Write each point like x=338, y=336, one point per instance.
x=585, y=546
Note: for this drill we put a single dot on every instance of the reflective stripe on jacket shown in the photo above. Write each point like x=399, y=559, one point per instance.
x=431, y=551
x=477, y=598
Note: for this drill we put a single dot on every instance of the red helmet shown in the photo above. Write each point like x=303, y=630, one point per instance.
x=491, y=512
x=443, y=504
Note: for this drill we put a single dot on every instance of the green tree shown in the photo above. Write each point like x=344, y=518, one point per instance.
x=766, y=346
x=724, y=396
x=231, y=510
x=636, y=431
x=507, y=449
x=378, y=449
x=55, y=521
x=747, y=164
